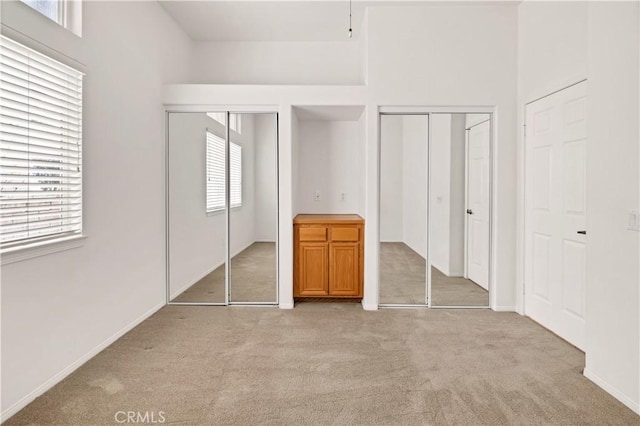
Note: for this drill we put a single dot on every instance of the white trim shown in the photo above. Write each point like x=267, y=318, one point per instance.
x=41, y=248
x=507, y=308
x=421, y=110
x=369, y=306
x=245, y=109
x=286, y=305
x=610, y=389
x=57, y=378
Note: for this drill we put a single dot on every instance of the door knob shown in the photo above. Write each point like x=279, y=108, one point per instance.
x=582, y=232
x=469, y=211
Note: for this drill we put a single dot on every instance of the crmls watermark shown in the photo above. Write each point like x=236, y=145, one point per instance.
x=138, y=417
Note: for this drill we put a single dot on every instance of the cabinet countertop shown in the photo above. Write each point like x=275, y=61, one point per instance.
x=327, y=218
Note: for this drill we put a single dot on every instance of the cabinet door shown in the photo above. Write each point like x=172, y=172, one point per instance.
x=344, y=269
x=314, y=265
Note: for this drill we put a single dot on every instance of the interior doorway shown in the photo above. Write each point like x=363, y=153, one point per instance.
x=555, y=212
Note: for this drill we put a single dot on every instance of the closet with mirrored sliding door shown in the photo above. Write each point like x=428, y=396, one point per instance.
x=435, y=209
x=222, y=208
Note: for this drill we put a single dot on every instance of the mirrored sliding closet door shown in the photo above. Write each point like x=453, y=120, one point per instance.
x=435, y=209
x=459, y=199
x=222, y=208
x=403, y=209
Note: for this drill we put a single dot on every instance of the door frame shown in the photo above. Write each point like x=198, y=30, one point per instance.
x=227, y=109
x=524, y=199
x=429, y=110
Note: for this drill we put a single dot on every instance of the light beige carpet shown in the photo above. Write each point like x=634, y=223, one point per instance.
x=456, y=291
x=403, y=281
x=253, y=278
x=402, y=275
x=332, y=364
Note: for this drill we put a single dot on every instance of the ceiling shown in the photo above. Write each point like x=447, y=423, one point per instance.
x=266, y=20
x=297, y=20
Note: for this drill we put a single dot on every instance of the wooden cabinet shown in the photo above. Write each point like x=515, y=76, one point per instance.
x=328, y=255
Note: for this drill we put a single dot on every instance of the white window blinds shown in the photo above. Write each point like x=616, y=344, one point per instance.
x=235, y=175
x=216, y=178
x=215, y=173
x=40, y=146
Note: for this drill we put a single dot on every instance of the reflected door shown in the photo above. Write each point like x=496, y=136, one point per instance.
x=403, y=209
x=478, y=204
x=459, y=187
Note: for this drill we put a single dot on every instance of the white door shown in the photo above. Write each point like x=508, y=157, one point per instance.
x=555, y=204
x=477, y=247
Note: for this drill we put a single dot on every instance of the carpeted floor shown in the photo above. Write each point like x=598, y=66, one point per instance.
x=253, y=278
x=403, y=275
x=332, y=364
x=456, y=291
x=403, y=281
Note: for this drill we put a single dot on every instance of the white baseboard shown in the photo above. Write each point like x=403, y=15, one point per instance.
x=369, y=307
x=286, y=305
x=504, y=308
x=57, y=378
x=633, y=405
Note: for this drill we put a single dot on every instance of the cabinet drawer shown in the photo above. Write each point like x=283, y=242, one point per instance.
x=345, y=234
x=313, y=234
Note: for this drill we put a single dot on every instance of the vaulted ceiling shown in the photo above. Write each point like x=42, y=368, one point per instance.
x=297, y=20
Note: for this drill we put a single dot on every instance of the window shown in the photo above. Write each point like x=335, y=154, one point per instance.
x=235, y=120
x=66, y=13
x=52, y=9
x=40, y=147
x=216, y=173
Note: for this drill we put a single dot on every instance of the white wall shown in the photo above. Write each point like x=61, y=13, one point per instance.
x=440, y=197
x=391, y=178
x=197, y=240
x=415, y=136
x=60, y=309
x=293, y=166
x=266, y=196
x=242, y=221
x=450, y=55
x=552, y=46
x=277, y=63
x=561, y=44
x=457, y=191
x=447, y=162
x=613, y=184
x=329, y=161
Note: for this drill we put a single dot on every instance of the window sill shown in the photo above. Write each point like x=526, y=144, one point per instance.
x=43, y=248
